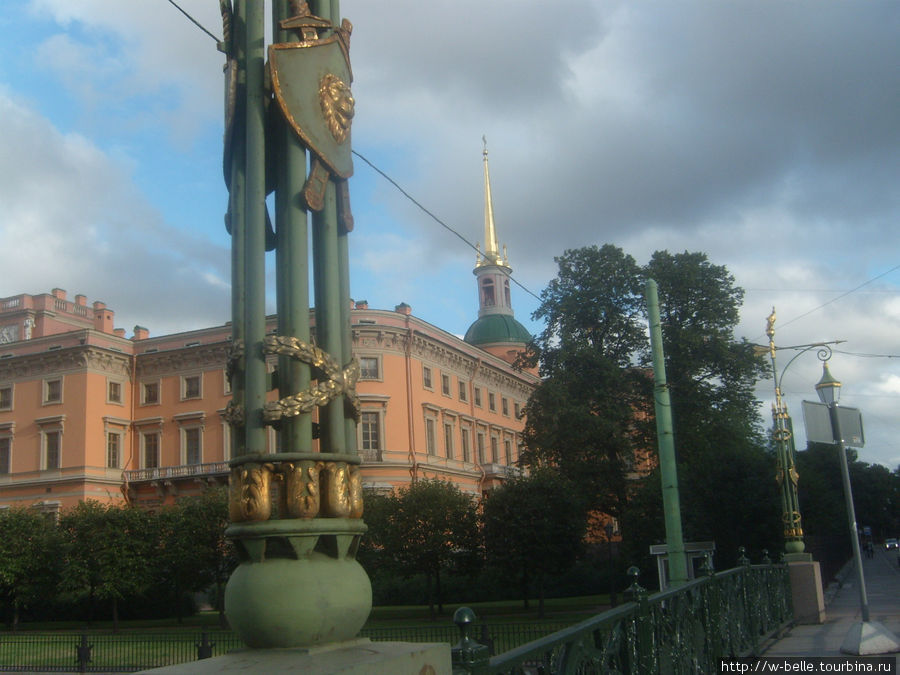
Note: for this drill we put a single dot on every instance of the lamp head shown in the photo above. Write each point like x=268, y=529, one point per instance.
x=828, y=388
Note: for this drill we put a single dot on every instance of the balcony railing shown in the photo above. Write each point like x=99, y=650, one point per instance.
x=181, y=471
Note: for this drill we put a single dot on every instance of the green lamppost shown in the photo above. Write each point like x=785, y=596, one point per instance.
x=783, y=434
x=295, y=510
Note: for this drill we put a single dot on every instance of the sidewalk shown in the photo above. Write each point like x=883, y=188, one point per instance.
x=882, y=575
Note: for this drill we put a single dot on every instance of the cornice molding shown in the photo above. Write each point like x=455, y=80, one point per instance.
x=64, y=361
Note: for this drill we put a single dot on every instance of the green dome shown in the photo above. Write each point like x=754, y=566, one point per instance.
x=496, y=328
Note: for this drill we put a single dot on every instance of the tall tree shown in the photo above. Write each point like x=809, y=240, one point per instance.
x=533, y=528
x=193, y=553
x=106, y=552
x=29, y=558
x=711, y=375
x=584, y=419
x=426, y=528
x=592, y=414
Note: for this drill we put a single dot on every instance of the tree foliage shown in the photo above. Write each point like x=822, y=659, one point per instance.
x=107, y=552
x=582, y=419
x=427, y=527
x=29, y=558
x=534, y=527
x=592, y=414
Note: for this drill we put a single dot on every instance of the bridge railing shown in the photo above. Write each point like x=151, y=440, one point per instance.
x=684, y=630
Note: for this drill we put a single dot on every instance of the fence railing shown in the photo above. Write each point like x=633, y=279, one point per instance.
x=685, y=630
x=108, y=652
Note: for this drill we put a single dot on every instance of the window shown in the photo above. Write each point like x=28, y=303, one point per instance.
x=445, y=384
x=487, y=293
x=52, y=442
x=507, y=452
x=463, y=391
x=429, y=436
x=518, y=410
x=492, y=402
x=480, y=441
x=150, y=393
x=53, y=391
x=5, y=448
x=448, y=439
x=478, y=396
x=113, y=392
x=6, y=397
x=191, y=445
x=150, y=449
x=495, y=454
x=370, y=429
x=190, y=386
x=113, y=449
x=504, y=405
x=368, y=368
x=464, y=443
x=426, y=377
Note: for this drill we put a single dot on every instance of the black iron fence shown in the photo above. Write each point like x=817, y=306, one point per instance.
x=104, y=652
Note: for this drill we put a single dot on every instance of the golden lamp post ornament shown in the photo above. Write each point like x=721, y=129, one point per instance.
x=296, y=514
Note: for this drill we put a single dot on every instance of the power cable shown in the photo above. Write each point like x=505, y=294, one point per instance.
x=193, y=20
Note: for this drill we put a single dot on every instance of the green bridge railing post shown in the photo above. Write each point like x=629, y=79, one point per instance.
x=468, y=655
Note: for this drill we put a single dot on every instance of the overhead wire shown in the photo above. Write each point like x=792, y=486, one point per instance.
x=193, y=20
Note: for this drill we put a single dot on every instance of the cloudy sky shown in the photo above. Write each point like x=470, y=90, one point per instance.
x=765, y=134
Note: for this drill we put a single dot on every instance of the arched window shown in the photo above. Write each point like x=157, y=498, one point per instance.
x=487, y=293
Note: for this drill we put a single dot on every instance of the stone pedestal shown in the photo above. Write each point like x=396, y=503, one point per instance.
x=356, y=657
x=806, y=591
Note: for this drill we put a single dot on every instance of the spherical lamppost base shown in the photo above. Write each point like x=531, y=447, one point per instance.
x=298, y=603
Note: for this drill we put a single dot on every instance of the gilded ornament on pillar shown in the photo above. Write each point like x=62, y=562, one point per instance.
x=356, y=492
x=302, y=488
x=335, y=485
x=250, y=497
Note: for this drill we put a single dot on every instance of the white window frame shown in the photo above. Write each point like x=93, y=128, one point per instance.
x=373, y=378
x=144, y=434
x=118, y=436
x=427, y=377
x=430, y=436
x=45, y=391
x=12, y=396
x=46, y=434
x=463, y=388
x=113, y=382
x=465, y=440
x=6, y=438
x=445, y=385
x=184, y=386
x=377, y=451
x=183, y=433
x=449, y=433
x=144, y=400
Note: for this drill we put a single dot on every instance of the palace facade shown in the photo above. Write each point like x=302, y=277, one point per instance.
x=88, y=413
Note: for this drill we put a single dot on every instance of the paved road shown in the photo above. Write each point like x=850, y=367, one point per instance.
x=882, y=574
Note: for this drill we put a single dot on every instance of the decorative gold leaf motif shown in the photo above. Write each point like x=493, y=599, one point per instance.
x=339, y=382
x=337, y=106
x=302, y=488
x=335, y=484
x=250, y=498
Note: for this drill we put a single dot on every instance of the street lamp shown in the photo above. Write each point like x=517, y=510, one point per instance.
x=865, y=637
x=829, y=391
x=783, y=435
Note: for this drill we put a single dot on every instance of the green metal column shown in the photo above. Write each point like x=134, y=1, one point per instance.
x=667, y=466
x=255, y=232
x=292, y=260
x=235, y=48
x=296, y=515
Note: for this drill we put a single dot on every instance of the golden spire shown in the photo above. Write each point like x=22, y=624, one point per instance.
x=491, y=247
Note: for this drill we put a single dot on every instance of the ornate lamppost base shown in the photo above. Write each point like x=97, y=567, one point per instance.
x=299, y=584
